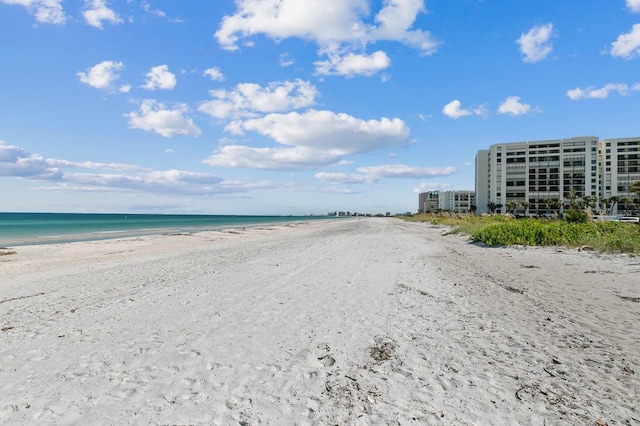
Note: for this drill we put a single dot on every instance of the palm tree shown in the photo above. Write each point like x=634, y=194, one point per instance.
x=553, y=204
x=590, y=201
x=572, y=197
x=635, y=188
x=627, y=201
x=613, y=200
x=492, y=207
x=525, y=205
x=511, y=206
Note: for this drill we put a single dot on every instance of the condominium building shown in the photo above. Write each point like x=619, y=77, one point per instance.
x=620, y=168
x=428, y=202
x=453, y=201
x=542, y=176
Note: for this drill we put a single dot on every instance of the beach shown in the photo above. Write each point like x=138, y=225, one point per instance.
x=353, y=322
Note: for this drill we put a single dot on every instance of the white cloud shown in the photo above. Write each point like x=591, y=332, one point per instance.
x=344, y=178
x=214, y=73
x=627, y=45
x=633, y=5
x=326, y=130
x=323, y=21
x=286, y=60
x=353, y=64
x=96, y=12
x=16, y=162
x=160, y=78
x=405, y=172
x=296, y=158
x=513, y=106
x=454, y=110
x=90, y=165
x=248, y=99
x=601, y=93
x=342, y=29
x=535, y=45
x=147, y=8
x=167, y=181
x=155, y=117
x=45, y=11
x=375, y=173
x=431, y=186
x=482, y=111
x=157, y=12
x=396, y=18
x=312, y=139
x=102, y=75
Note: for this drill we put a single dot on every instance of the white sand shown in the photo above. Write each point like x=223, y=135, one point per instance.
x=370, y=321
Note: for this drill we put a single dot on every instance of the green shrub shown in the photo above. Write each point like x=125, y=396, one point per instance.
x=576, y=216
x=499, y=230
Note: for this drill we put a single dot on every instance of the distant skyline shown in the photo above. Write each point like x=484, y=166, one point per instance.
x=291, y=107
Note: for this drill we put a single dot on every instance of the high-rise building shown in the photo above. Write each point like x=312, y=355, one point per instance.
x=620, y=168
x=541, y=176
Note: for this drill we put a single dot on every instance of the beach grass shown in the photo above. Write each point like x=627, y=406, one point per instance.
x=503, y=230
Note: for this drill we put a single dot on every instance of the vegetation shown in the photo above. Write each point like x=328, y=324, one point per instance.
x=500, y=230
x=635, y=188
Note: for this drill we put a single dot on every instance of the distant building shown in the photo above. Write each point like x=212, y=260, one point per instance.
x=453, y=201
x=541, y=176
x=457, y=201
x=428, y=202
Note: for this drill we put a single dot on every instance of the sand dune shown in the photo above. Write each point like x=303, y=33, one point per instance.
x=354, y=322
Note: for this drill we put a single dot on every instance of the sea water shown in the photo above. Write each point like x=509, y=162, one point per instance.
x=42, y=228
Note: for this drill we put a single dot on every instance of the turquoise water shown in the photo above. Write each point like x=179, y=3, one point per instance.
x=41, y=228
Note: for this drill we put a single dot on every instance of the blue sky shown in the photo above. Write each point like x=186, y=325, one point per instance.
x=292, y=106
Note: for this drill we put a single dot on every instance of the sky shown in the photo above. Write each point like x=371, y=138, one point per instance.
x=278, y=107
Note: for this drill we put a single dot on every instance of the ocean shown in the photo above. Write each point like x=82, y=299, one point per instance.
x=44, y=228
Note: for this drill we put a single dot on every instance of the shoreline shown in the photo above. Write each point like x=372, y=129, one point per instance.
x=26, y=240
x=369, y=321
